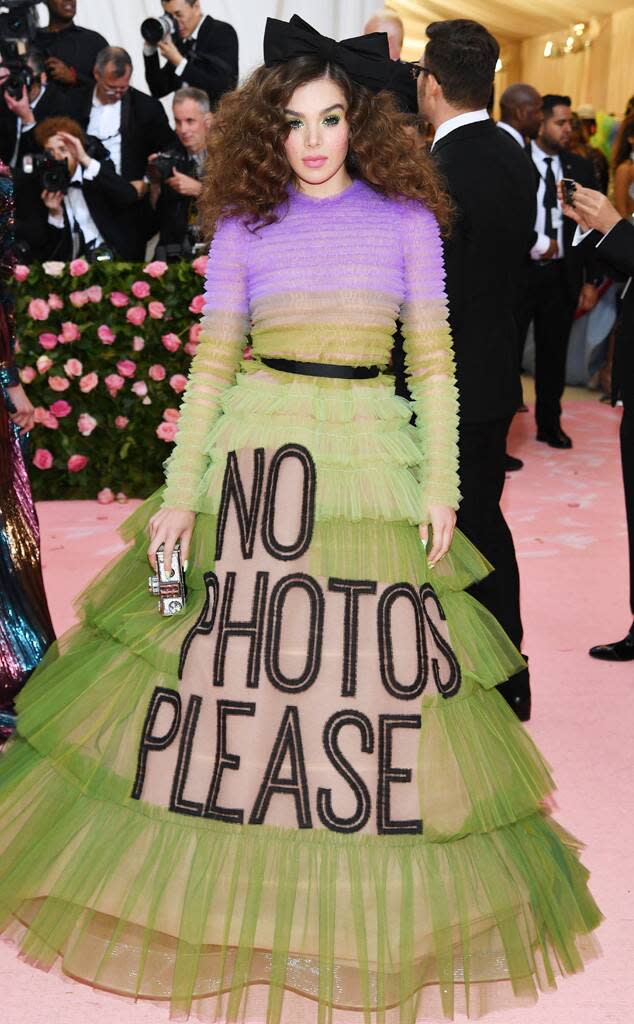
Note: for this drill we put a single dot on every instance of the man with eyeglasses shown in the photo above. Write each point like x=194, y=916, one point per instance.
x=491, y=183
x=130, y=124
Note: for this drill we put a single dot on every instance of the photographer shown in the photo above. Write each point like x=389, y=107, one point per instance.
x=70, y=50
x=28, y=98
x=203, y=53
x=67, y=206
x=175, y=177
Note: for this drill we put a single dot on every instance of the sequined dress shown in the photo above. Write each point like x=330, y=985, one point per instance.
x=25, y=625
x=303, y=799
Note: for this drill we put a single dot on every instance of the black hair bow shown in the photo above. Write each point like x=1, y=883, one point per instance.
x=365, y=59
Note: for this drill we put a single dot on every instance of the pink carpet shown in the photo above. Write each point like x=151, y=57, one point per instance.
x=566, y=512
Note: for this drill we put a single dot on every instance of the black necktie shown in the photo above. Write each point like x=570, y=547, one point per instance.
x=550, y=197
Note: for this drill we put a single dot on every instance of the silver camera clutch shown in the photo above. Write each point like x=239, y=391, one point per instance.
x=169, y=588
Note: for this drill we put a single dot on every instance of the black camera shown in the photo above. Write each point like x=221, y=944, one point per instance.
x=21, y=77
x=165, y=163
x=155, y=30
x=18, y=27
x=52, y=175
x=19, y=20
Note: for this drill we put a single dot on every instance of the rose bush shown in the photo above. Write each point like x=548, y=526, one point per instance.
x=116, y=418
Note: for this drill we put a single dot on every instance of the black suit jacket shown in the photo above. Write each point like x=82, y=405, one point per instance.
x=491, y=183
x=212, y=65
x=52, y=104
x=173, y=211
x=580, y=263
x=109, y=198
x=617, y=252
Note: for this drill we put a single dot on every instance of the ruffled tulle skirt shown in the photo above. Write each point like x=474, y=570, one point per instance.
x=303, y=797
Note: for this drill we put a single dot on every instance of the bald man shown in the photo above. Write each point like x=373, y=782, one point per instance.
x=521, y=110
x=390, y=23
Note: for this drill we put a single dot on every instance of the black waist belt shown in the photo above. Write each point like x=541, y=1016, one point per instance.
x=322, y=369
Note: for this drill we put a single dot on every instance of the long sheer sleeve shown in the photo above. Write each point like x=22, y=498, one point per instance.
x=222, y=339
x=429, y=358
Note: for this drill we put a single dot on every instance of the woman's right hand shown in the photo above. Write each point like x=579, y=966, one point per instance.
x=167, y=526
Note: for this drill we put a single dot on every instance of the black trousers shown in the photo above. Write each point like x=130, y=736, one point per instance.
x=627, y=462
x=546, y=302
x=482, y=449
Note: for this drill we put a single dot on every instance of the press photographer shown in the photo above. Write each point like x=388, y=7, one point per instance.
x=68, y=197
x=198, y=50
x=175, y=177
x=70, y=50
x=28, y=98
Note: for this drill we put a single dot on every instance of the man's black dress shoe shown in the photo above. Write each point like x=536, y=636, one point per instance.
x=511, y=464
x=555, y=438
x=620, y=650
x=517, y=694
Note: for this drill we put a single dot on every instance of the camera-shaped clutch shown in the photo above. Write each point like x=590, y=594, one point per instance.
x=169, y=585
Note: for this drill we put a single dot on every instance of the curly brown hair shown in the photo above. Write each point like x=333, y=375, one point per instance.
x=247, y=172
x=51, y=126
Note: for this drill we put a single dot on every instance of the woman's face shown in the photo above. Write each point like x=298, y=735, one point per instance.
x=317, y=143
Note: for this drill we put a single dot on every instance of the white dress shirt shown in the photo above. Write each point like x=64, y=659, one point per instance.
x=179, y=69
x=513, y=132
x=543, y=241
x=459, y=121
x=77, y=208
x=105, y=123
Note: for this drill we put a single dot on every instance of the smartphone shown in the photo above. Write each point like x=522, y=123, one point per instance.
x=569, y=188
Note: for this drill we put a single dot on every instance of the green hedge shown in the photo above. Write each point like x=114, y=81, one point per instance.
x=103, y=351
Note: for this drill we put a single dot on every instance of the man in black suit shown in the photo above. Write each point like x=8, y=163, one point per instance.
x=557, y=284
x=69, y=49
x=491, y=183
x=611, y=238
x=18, y=117
x=203, y=54
x=521, y=112
x=59, y=225
x=130, y=124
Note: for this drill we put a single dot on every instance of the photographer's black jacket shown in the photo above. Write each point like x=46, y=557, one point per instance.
x=173, y=211
x=617, y=252
x=109, y=198
x=212, y=65
x=76, y=46
x=51, y=104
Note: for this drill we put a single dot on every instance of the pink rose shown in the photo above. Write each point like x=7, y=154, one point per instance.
x=61, y=408
x=178, y=383
x=156, y=268
x=105, y=335
x=136, y=315
x=105, y=496
x=171, y=341
x=166, y=431
x=78, y=268
x=70, y=332
x=27, y=374
x=39, y=413
x=38, y=309
x=55, y=301
x=194, y=333
x=139, y=388
x=138, y=343
x=78, y=299
x=43, y=364
x=122, y=498
x=114, y=383
x=48, y=341
x=20, y=272
x=119, y=299
x=199, y=266
x=73, y=368
x=95, y=293
x=76, y=463
x=156, y=310
x=197, y=304
x=58, y=383
x=121, y=422
x=156, y=372
x=88, y=382
x=126, y=367
x=171, y=415
x=49, y=420
x=190, y=348
x=86, y=424
x=140, y=289
x=42, y=459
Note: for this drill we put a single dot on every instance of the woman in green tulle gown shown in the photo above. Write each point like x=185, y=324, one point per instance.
x=302, y=798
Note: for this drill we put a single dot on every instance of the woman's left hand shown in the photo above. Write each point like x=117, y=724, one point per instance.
x=24, y=415
x=442, y=520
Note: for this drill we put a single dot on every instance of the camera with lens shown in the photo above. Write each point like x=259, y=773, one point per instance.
x=166, y=162
x=155, y=30
x=18, y=27
x=52, y=175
